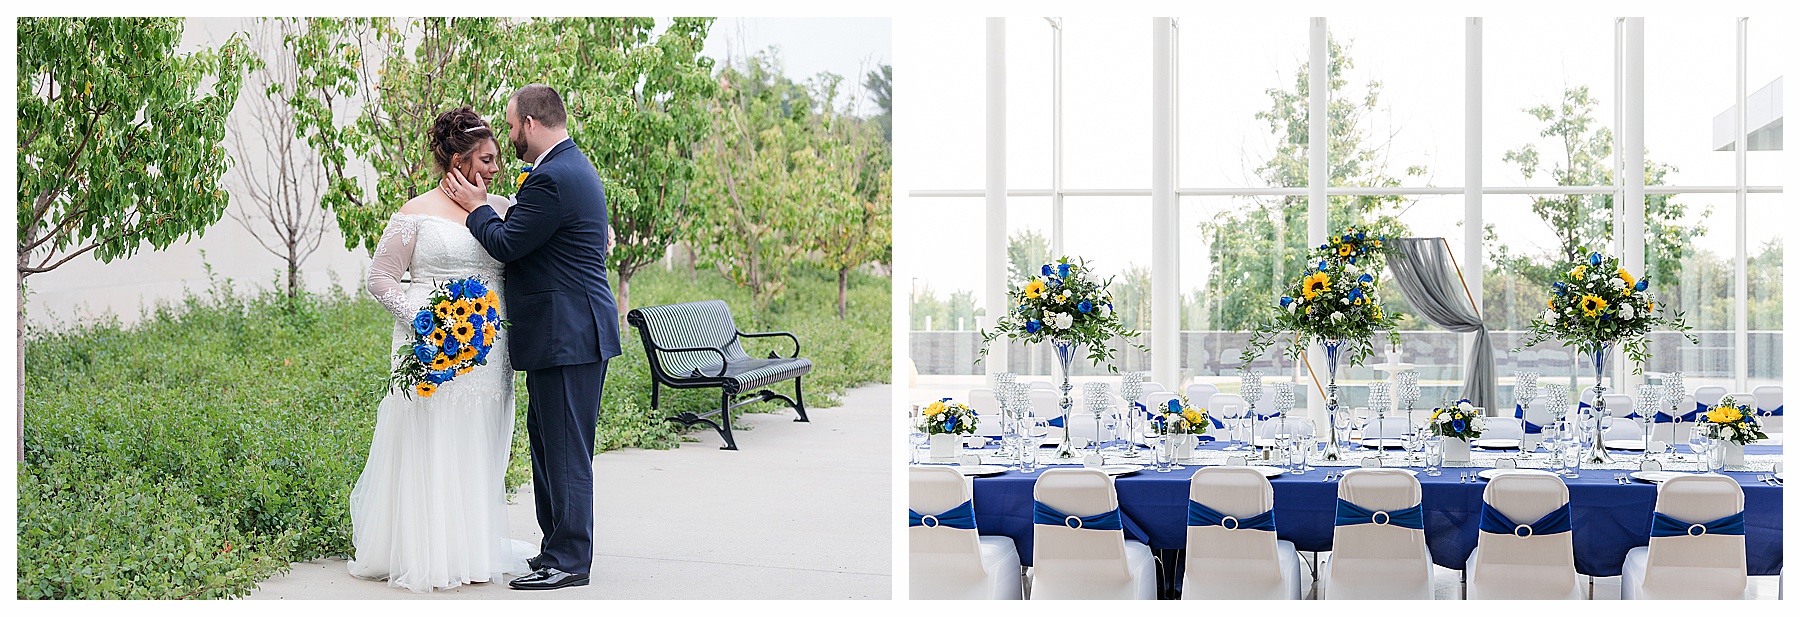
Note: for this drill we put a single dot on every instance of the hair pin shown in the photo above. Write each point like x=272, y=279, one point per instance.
x=473, y=129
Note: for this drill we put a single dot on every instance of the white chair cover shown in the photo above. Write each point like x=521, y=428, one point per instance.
x=1267, y=429
x=1243, y=564
x=1623, y=428
x=1201, y=394
x=1091, y=564
x=1667, y=432
x=1043, y=385
x=1708, y=395
x=1151, y=386
x=1391, y=427
x=955, y=564
x=1045, y=403
x=1377, y=561
x=1710, y=566
x=987, y=408
x=1509, y=567
x=1768, y=398
x=1503, y=428
x=1618, y=405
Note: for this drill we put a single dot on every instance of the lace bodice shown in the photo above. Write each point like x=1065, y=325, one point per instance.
x=435, y=249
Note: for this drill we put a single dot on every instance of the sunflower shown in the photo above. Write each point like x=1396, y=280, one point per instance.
x=1592, y=305
x=1550, y=302
x=1314, y=285
x=488, y=332
x=441, y=362
x=1626, y=275
x=425, y=388
x=463, y=370
x=1377, y=312
x=462, y=309
x=437, y=336
x=463, y=331
x=466, y=354
x=491, y=299
x=935, y=408
x=443, y=309
x=1722, y=415
x=1344, y=250
x=1578, y=272
x=1034, y=289
x=478, y=306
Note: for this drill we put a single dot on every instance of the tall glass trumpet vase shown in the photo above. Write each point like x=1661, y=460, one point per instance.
x=1131, y=388
x=1098, y=398
x=1332, y=452
x=1649, y=399
x=1524, y=393
x=1065, y=355
x=1596, y=451
x=1250, y=387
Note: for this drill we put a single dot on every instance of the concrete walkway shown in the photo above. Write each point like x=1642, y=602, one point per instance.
x=801, y=511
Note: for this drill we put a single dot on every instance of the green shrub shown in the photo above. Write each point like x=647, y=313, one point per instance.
x=202, y=450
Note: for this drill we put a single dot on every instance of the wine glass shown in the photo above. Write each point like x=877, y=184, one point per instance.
x=917, y=437
x=1699, y=444
x=1341, y=421
x=1434, y=455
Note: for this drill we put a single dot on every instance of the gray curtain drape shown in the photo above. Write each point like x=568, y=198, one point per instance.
x=1428, y=279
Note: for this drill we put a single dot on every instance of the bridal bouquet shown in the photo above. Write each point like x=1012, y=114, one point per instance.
x=1458, y=421
x=1596, y=303
x=1177, y=416
x=1067, y=303
x=947, y=417
x=1333, y=300
x=1733, y=422
x=452, y=335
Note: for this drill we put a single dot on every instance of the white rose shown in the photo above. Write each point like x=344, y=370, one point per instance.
x=1617, y=283
x=1064, y=320
x=1351, y=268
x=1344, y=301
x=1105, y=312
x=1293, y=307
x=1336, y=316
x=1626, y=312
x=1550, y=316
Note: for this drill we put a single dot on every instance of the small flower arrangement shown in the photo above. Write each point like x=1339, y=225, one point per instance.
x=452, y=335
x=1177, y=416
x=1595, y=303
x=1333, y=300
x=1354, y=244
x=947, y=417
x=1733, y=422
x=1064, y=302
x=1458, y=421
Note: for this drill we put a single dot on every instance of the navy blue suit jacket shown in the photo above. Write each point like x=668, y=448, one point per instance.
x=553, y=242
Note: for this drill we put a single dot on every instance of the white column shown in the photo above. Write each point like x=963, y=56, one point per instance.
x=1056, y=136
x=1631, y=209
x=1165, y=219
x=995, y=294
x=1474, y=255
x=1318, y=127
x=1741, y=281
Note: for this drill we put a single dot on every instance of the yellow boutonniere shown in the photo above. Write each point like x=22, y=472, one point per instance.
x=523, y=174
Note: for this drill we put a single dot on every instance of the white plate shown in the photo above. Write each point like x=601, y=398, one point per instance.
x=1383, y=443
x=1624, y=444
x=1266, y=471
x=1496, y=443
x=1488, y=474
x=1122, y=469
x=1656, y=477
x=980, y=470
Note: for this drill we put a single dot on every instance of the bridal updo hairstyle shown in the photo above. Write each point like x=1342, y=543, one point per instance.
x=457, y=131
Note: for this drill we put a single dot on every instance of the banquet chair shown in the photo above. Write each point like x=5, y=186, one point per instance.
x=1525, y=549
x=1745, y=399
x=1045, y=403
x=1391, y=427
x=1081, y=422
x=1380, y=555
x=1619, y=405
x=1708, y=396
x=1296, y=426
x=987, y=411
x=1201, y=394
x=1151, y=386
x=1541, y=416
x=1768, y=407
x=1232, y=551
x=948, y=559
x=1503, y=428
x=1043, y=385
x=1685, y=560
x=1670, y=432
x=1623, y=428
x=1082, y=556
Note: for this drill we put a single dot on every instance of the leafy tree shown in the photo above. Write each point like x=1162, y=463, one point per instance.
x=368, y=90
x=1258, y=247
x=119, y=140
x=279, y=179
x=854, y=229
x=880, y=84
x=1131, y=297
x=944, y=313
x=1026, y=252
x=638, y=106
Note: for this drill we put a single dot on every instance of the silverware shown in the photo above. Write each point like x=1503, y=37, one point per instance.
x=1620, y=478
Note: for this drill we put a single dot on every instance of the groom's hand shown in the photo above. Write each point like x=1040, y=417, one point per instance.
x=466, y=195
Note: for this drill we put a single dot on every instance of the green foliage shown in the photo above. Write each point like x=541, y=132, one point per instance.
x=1595, y=303
x=199, y=452
x=944, y=313
x=1333, y=300
x=1064, y=301
x=119, y=136
x=1254, y=246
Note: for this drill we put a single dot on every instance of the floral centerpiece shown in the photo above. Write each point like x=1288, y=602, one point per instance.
x=947, y=417
x=1733, y=425
x=1355, y=244
x=1177, y=416
x=1594, y=305
x=1068, y=306
x=1458, y=421
x=452, y=335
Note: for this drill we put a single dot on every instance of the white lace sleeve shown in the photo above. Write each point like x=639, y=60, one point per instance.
x=393, y=257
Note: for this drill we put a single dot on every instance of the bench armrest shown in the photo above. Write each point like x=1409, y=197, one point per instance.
x=790, y=335
x=724, y=364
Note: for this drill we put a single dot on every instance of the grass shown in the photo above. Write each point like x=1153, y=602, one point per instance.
x=202, y=450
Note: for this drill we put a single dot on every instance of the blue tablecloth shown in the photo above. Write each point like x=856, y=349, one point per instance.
x=1609, y=519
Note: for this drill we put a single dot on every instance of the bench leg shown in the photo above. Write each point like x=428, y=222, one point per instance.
x=724, y=422
x=799, y=402
x=655, y=393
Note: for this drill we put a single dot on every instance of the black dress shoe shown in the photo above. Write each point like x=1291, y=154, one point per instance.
x=548, y=578
x=535, y=563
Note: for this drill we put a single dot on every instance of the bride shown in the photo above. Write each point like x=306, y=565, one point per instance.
x=429, y=511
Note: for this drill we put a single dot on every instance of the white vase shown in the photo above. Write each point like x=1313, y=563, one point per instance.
x=1456, y=450
x=1179, y=447
x=945, y=446
x=1734, y=453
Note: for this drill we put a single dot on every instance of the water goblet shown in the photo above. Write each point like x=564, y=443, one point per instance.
x=1699, y=443
x=917, y=438
x=1434, y=455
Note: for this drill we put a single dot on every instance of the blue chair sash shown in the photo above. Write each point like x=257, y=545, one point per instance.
x=1664, y=418
x=959, y=517
x=1584, y=407
x=1104, y=521
x=1493, y=521
x=1770, y=412
x=1201, y=516
x=1663, y=526
x=1531, y=429
x=1352, y=514
x=1055, y=421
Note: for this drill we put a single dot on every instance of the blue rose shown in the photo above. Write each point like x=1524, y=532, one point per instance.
x=1285, y=301
x=944, y=400
x=1458, y=425
x=1356, y=294
x=1321, y=265
x=1365, y=278
x=481, y=356
x=1175, y=405
x=1033, y=326
x=1594, y=259
x=1324, y=247
x=1361, y=235
x=493, y=315
x=474, y=288
x=1085, y=307
x=950, y=423
x=455, y=288
x=1353, y=260
x=1560, y=288
x=438, y=377
x=1642, y=284
x=1062, y=270
x=425, y=352
x=423, y=322
x=450, y=345
x=476, y=321
x=1021, y=309
x=1046, y=270
x=1056, y=282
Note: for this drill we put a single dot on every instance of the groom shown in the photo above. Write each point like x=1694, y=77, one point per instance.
x=564, y=323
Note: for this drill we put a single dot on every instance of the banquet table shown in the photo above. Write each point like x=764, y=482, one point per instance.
x=1609, y=518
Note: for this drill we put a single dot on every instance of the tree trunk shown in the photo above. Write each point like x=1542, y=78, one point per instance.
x=293, y=273
x=843, y=288
x=21, y=443
x=622, y=297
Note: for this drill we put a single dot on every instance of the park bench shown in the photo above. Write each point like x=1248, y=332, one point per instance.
x=695, y=345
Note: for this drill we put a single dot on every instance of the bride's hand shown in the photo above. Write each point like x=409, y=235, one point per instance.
x=466, y=195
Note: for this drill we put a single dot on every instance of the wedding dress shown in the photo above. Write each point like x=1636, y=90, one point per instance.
x=429, y=511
